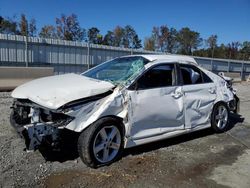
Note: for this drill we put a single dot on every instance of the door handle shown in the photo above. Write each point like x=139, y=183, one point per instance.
x=212, y=90
x=177, y=94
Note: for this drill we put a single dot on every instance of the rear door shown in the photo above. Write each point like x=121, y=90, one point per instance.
x=199, y=95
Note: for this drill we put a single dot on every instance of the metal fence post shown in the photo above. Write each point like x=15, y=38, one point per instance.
x=228, y=66
x=242, y=71
x=75, y=58
x=88, y=56
x=64, y=58
x=211, y=64
x=26, y=51
x=58, y=57
x=16, y=50
x=8, y=50
x=212, y=59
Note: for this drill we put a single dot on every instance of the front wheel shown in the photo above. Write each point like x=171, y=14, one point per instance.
x=220, y=117
x=101, y=143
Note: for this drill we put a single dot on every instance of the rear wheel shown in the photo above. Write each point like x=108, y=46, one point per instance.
x=101, y=143
x=220, y=117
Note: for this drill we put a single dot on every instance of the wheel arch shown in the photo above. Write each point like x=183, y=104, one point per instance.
x=119, y=121
x=219, y=102
x=116, y=118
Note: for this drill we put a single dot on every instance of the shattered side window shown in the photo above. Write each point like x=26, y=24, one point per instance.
x=119, y=70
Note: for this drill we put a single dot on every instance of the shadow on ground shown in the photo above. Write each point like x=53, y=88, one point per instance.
x=68, y=151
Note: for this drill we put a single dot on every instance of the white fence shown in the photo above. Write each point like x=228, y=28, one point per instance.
x=67, y=56
x=64, y=56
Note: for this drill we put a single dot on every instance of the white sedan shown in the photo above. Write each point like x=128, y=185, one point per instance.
x=122, y=103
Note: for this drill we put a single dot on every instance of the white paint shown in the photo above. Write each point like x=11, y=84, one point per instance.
x=172, y=57
x=55, y=91
x=155, y=111
x=148, y=115
x=199, y=100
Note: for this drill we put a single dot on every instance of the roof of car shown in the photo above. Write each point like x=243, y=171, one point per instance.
x=168, y=57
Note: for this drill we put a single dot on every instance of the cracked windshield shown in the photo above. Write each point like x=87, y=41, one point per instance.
x=118, y=71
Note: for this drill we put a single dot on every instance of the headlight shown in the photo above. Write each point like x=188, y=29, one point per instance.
x=63, y=122
x=72, y=108
x=57, y=119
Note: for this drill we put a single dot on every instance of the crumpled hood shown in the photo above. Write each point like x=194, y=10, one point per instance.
x=55, y=91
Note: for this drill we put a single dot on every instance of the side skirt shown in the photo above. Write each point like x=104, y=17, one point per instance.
x=132, y=143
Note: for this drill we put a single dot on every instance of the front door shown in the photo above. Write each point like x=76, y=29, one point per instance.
x=156, y=103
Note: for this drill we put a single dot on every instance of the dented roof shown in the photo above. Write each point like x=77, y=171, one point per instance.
x=168, y=57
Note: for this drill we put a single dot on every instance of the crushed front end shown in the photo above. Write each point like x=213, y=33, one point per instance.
x=36, y=124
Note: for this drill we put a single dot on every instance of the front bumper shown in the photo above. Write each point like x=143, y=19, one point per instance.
x=36, y=125
x=38, y=134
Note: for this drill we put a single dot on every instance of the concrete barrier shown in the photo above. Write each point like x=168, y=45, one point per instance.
x=11, y=77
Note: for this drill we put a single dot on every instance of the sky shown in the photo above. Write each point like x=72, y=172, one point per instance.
x=229, y=19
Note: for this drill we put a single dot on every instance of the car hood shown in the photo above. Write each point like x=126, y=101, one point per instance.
x=54, y=91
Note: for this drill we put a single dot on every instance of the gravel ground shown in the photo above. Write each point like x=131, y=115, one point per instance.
x=201, y=159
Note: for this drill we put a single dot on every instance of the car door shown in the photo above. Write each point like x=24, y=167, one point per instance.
x=156, y=103
x=199, y=96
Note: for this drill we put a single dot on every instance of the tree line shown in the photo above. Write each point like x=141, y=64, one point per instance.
x=162, y=38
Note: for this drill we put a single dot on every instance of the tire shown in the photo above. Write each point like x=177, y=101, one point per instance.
x=101, y=143
x=220, y=117
x=237, y=105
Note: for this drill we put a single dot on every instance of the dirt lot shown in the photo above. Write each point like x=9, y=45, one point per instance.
x=201, y=159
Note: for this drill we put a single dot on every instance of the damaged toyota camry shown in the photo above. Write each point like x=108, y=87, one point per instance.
x=122, y=103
